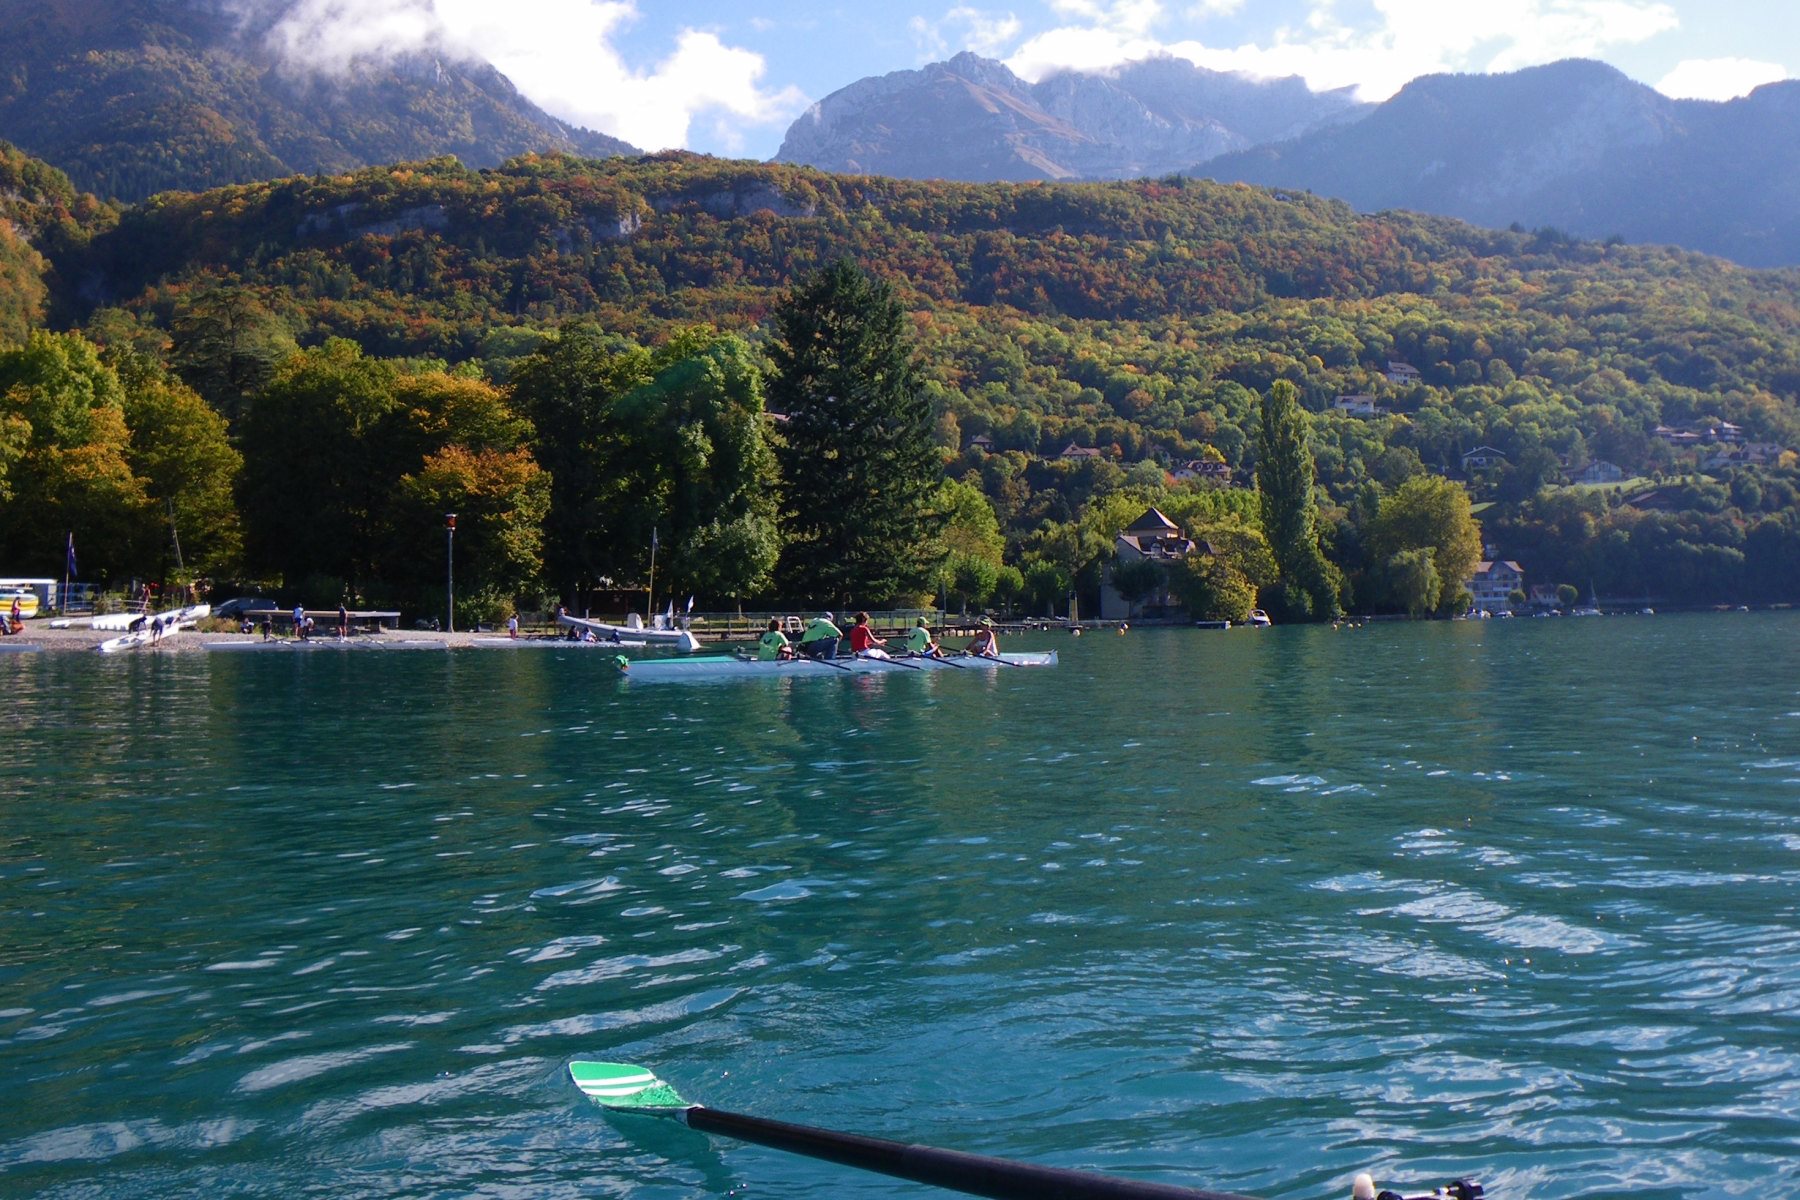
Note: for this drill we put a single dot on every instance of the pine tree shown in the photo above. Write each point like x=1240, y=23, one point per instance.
x=860, y=465
x=1284, y=483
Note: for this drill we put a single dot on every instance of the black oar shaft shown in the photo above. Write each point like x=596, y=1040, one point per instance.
x=975, y=1174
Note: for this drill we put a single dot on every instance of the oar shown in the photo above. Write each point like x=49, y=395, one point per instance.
x=946, y=659
x=625, y=1088
x=890, y=659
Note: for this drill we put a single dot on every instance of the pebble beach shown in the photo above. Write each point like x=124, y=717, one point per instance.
x=77, y=637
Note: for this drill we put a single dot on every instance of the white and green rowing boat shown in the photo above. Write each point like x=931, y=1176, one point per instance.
x=725, y=666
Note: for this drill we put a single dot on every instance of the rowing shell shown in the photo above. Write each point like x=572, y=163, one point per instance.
x=724, y=666
x=549, y=643
x=181, y=618
x=619, y=635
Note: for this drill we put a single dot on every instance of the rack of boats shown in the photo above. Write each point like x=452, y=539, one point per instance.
x=729, y=666
x=146, y=629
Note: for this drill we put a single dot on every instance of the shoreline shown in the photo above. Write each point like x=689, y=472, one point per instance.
x=81, y=639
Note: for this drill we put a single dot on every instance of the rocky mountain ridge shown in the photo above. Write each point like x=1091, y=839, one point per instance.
x=972, y=119
x=1574, y=145
x=132, y=97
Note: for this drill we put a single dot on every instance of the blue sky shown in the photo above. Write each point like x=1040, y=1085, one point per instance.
x=728, y=77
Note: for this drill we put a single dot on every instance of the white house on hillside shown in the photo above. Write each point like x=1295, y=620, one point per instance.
x=1599, y=471
x=1483, y=458
x=1493, y=584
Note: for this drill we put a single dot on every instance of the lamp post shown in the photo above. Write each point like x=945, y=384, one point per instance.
x=450, y=572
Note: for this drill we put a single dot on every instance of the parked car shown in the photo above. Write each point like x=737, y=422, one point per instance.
x=244, y=605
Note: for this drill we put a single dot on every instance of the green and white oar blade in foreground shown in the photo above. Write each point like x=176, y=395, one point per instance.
x=626, y=1088
x=635, y=1090
x=631, y=1089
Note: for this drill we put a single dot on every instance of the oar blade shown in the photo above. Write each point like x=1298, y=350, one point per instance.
x=625, y=1088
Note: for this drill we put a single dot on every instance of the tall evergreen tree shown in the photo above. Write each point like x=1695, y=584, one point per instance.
x=860, y=465
x=1284, y=483
x=568, y=389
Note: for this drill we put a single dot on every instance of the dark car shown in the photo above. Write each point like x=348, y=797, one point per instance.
x=244, y=606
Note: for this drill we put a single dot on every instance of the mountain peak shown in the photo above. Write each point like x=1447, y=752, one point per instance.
x=132, y=97
x=972, y=118
x=1576, y=145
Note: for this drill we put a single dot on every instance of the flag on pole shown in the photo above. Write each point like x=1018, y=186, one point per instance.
x=653, y=539
x=71, y=560
x=690, y=606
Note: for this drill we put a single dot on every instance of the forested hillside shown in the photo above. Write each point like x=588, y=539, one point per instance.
x=1141, y=320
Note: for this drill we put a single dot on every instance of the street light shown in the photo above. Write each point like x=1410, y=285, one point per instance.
x=450, y=571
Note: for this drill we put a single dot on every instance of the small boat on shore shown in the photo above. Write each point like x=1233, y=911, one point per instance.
x=727, y=666
x=145, y=629
x=626, y=635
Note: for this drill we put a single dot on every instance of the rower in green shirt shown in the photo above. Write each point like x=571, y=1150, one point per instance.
x=918, y=641
x=774, y=643
x=820, y=638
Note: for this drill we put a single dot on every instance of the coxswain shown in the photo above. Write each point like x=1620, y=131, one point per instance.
x=820, y=637
x=984, y=644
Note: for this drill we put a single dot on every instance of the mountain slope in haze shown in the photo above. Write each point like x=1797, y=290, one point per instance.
x=132, y=97
x=972, y=119
x=1575, y=145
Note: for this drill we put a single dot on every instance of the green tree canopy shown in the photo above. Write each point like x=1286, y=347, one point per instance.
x=567, y=389
x=228, y=345
x=1426, y=513
x=343, y=451
x=859, y=462
x=181, y=450
x=1284, y=481
x=691, y=446
x=65, y=458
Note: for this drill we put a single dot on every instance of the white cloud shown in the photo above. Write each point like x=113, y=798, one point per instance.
x=1398, y=41
x=1718, y=78
x=1131, y=18
x=560, y=53
x=986, y=33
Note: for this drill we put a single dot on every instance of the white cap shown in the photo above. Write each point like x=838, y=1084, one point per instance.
x=829, y=617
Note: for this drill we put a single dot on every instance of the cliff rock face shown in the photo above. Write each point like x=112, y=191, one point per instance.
x=972, y=119
x=131, y=97
x=1573, y=145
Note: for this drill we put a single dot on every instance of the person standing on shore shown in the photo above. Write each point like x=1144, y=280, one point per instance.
x=512, y=626
x=343, y=621
x=300, y=620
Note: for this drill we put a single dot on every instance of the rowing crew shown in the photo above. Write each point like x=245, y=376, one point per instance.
x=821, y=636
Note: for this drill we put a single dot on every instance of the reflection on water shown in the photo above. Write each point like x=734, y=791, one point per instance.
x=1255, y=910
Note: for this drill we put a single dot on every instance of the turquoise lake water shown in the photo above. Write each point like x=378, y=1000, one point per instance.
x=1249, y=910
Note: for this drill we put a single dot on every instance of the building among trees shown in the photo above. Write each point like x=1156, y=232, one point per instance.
x=1136, y=582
